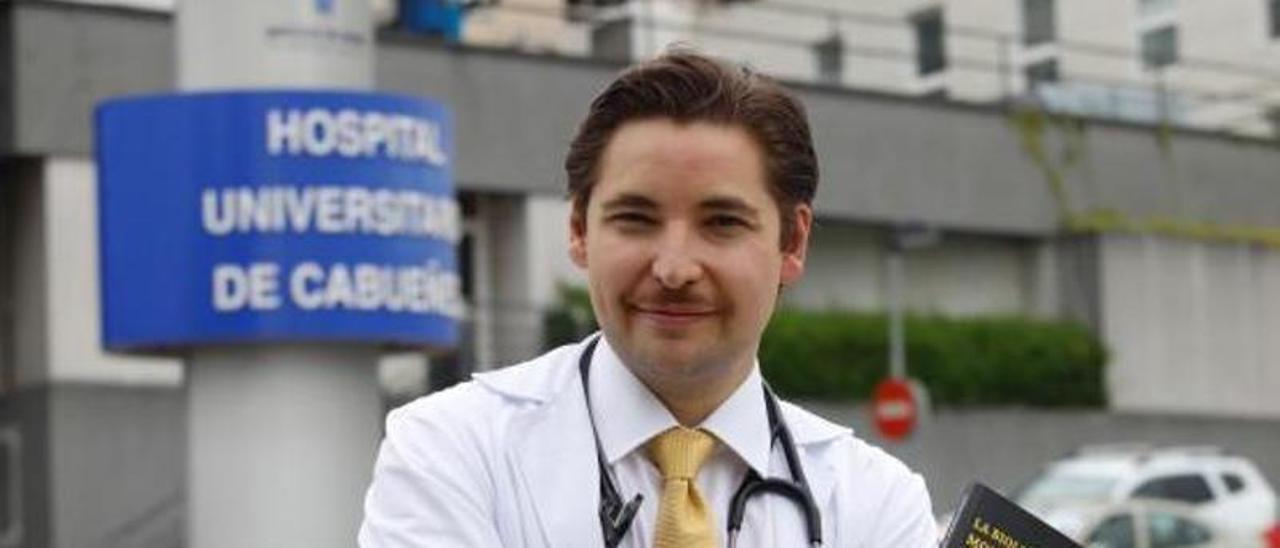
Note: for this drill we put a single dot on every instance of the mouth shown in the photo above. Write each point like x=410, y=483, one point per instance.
x=672, y=316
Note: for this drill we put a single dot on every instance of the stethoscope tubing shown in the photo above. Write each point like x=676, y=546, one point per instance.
x=616, y=517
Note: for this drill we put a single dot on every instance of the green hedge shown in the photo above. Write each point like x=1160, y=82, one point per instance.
x=840, y=355
x=963, y=361
x=570, y=320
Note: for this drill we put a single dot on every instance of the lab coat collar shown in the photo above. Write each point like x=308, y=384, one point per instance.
x=546, y=381
x=540, y=379
x=810, y=429
x=741, y=422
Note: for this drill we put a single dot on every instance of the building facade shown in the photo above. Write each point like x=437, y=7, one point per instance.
x=1210, y=65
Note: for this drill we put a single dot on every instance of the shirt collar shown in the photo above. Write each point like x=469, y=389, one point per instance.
x=634, y=414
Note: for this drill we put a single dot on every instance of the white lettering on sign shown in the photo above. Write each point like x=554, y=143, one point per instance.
x=329, y=210
x=370, y=287
x=361, y=287
x=350, y=133
x=252, y=287
x=894, y=410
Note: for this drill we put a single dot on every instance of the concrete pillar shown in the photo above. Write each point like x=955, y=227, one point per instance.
x=281, y=436
x=281, y=439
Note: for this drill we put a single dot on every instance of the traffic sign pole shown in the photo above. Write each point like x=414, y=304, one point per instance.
x=897, y=344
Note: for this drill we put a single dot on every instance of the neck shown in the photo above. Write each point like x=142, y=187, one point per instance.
x=692, y=402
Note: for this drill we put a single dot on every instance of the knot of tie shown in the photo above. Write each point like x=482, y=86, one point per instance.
x=680, y=452
x=684, y=520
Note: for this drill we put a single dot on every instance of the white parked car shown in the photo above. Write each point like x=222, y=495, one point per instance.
x=1142, y=523
x=1220, y=488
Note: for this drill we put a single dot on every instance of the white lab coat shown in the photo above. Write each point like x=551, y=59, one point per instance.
x=508, y=460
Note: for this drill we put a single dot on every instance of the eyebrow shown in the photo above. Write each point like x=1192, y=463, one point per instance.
x=729, y=204
x=629, y=201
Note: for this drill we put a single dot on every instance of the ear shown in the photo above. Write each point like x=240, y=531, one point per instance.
x=578, y=239
x=793, y=251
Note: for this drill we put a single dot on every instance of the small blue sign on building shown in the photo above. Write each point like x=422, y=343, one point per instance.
x=277, y=216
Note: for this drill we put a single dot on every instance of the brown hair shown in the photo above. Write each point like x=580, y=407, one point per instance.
x=689, y=87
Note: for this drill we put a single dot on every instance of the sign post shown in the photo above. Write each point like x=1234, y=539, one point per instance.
x=279, y=227
x=897, y=401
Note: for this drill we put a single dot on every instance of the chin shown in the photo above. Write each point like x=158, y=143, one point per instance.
x=675, y=359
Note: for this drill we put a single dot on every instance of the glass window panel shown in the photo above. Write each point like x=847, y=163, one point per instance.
x=1160, y=47
x=1042, y=72
x=931, y=54
x=1234, y=482
x=1189, y=488
x=1275, y=18
x=1038, y=22
x=1154, y=7
x=1171, y=531
x=1114, y=532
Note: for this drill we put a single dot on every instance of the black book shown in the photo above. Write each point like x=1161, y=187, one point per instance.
x=987, y=520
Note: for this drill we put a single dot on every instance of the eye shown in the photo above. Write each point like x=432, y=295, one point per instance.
x=630, y=219
x=727, y=222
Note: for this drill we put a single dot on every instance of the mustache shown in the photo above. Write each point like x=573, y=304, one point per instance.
x=674, y=298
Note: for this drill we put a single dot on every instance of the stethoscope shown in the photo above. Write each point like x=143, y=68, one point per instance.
x=616, y=517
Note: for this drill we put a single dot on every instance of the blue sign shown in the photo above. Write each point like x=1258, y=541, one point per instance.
x=439, y=17
x=277, y=216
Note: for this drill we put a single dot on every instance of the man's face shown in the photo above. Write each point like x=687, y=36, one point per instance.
x=680, y=241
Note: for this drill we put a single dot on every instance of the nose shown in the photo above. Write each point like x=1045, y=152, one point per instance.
x=675, y=263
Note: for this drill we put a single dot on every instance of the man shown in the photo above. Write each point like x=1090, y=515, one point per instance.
x=691, y=183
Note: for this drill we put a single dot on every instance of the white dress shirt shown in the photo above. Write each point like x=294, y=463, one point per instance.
x=627, y=415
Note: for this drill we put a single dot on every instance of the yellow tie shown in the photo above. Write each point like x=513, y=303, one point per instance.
x=684, y=521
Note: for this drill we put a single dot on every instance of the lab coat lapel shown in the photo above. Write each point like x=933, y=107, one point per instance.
x=556, y=459
x=812, y=434
x=821, y=476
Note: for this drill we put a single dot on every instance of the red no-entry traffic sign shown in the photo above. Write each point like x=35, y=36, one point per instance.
x=895, y=409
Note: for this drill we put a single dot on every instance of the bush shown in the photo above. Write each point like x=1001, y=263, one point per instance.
x=570, y=319
x=971, y=361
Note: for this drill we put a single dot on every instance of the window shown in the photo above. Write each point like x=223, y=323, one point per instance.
x=1041, y=72
x=1114, y=532
x=1275, y=18
x=1159, y=47
x=1155, y=7
x=7, y=518
x=830, y=56
x=594, y=3
x=931, y=52
x=1056, y=487
x=586, y=10
x=1170, y=531
x=1234, y=482
x=10, y=486
x=9, y=219
x=1037, y=22
x=1186, y=488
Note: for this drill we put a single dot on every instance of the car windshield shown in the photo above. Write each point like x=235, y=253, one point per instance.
x=1058, y=488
